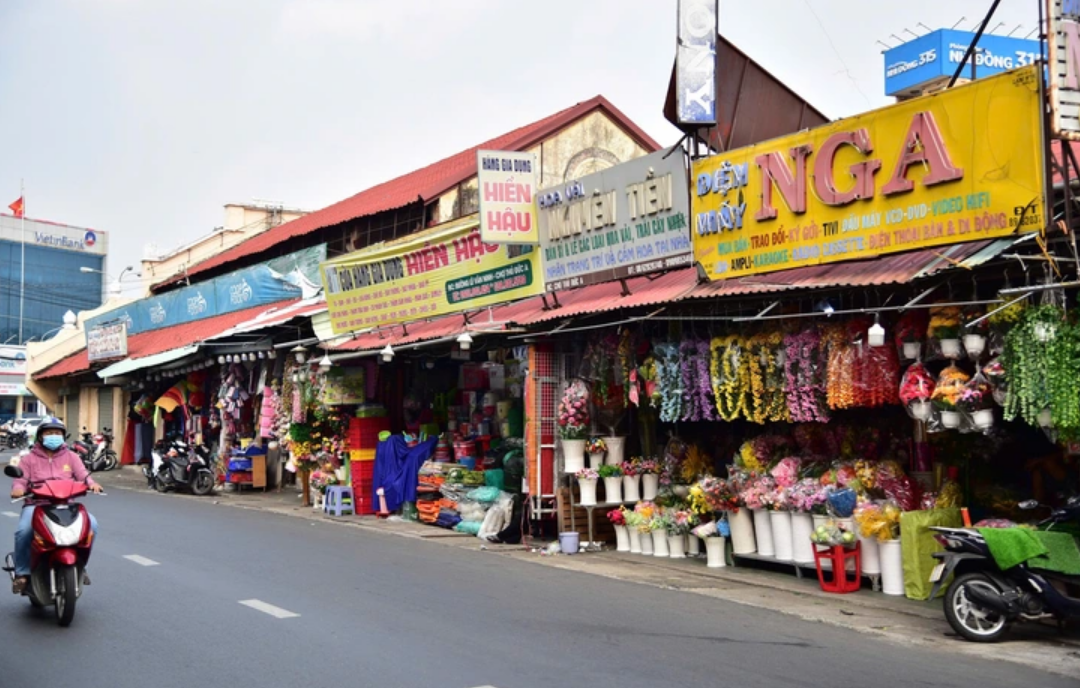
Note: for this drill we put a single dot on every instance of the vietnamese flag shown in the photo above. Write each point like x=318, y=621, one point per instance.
x=17, y=207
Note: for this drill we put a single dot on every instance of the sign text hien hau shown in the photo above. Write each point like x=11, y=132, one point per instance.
x=960, y=165
x=442, y=270
x=627, y=220
x=507, y=186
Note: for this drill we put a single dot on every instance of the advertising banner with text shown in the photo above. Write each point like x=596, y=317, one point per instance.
x=507, y=188
x=960, y=165
x=443, y=270
x=627, y=220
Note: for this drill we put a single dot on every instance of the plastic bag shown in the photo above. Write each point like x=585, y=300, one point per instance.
x=916, y=390
x=879, y=520
x=841, y=502
x=831, y=534
x=486, y=495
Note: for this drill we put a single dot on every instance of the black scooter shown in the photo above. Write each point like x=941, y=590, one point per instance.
x=984, y=601
x=178, y=466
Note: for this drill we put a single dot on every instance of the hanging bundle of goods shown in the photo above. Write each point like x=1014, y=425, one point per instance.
x=1042, y=360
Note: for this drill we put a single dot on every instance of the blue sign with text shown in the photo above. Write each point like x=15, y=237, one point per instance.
x=937, y=55
x=262, y=284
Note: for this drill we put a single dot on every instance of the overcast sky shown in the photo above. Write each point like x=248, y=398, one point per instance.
x=144, y=117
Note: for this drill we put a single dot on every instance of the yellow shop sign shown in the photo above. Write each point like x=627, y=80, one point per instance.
x=445, y=269
x=960, y=165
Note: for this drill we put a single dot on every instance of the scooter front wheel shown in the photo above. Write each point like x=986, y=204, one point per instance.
x=973, y=622
x=67, y=592
x=203, y=484
x=111, y=460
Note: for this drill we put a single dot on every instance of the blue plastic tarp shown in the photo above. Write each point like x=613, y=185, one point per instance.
x=397, y=467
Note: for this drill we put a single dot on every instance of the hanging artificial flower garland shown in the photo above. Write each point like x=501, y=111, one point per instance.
x=767, y=401
x=730, y=377
x=669, y=378
x=1042, y=358
x=805, y=368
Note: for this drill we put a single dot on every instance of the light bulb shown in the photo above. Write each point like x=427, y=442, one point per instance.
x=325, y=363
x=300, y=352
x=387, y=353
x=876, y=334
x=220, y=359
x=465, y=341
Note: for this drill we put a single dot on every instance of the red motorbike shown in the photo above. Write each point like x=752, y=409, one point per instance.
x=60, y=548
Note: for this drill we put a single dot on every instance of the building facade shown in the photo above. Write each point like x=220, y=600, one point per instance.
x=47, y=260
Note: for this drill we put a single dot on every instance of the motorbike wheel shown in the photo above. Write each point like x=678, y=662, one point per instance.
x=111, y=460
x=203, y=484
x=160, y=485
x=66, y=594
x=969, y=620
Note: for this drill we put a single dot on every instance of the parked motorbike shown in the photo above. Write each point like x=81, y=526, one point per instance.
x=96, y=452
x=178, y=466
x=15, y=439
x=984, y=601
x=61, y=545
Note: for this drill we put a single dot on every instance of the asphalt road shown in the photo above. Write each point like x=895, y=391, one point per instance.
x=378, y=610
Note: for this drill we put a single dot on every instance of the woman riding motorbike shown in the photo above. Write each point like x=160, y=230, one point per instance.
x=50, y=459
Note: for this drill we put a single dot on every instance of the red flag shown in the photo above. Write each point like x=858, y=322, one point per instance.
x=17, y=207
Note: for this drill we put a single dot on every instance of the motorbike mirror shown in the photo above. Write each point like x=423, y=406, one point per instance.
x=1028, y=505
x=13, y=471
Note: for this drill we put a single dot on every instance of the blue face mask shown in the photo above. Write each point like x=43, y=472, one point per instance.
x=52, y=442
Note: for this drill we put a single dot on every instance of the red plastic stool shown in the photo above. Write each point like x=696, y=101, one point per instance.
x=838, y=556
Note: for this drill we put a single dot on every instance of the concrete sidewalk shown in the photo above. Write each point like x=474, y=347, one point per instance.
x=894, y=619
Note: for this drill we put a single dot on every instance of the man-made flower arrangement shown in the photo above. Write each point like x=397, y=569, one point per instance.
x=573, y=413
x=910, y=332
x=587, y=478
x=916, y=391
x=947, y=393
x=945, y=329
x=595, y=445
x=977, y=401
x=669, y=381
x=808, y=496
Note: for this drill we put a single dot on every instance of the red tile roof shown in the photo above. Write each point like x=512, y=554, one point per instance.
x=156, y=341
x=421, y=185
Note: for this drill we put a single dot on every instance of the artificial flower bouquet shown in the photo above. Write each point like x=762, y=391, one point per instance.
x=949, y=388
x=757, y=494
x=631, y=467
x=607, y=471
x=680, y=521
x=807, y=496
x=573, y=413
x=647, y=467
x=879, y=520
x=587, y=474
x=617, y=516
x=944, y=323
x=596, y=445
x=977, y=395
x=786, y=471
x=911, y=327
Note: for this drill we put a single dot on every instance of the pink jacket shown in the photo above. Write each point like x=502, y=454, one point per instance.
x=38, y=465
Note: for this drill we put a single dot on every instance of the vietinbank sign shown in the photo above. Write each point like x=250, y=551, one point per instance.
x=925, y=172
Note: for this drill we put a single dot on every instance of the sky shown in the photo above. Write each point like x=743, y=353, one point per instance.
x=144, y=118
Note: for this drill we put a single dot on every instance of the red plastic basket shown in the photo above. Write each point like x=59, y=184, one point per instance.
x=838, y=556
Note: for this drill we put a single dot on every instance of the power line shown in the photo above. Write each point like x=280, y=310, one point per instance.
x=836, y=51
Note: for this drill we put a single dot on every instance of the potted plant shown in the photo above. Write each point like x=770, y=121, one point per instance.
x=950, y=385
x=595, y=448
x=573, y=425
x=630, y=480
x=622, y=533
x=612, y=476
x=916, y=390
x=974, y=332
x=945, y=328
x=977, y=401
x=649, y=470
x=587, y=478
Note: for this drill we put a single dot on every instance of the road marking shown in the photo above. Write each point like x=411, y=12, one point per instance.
x=276, y=612
x=9, y=514
x=141, y=561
